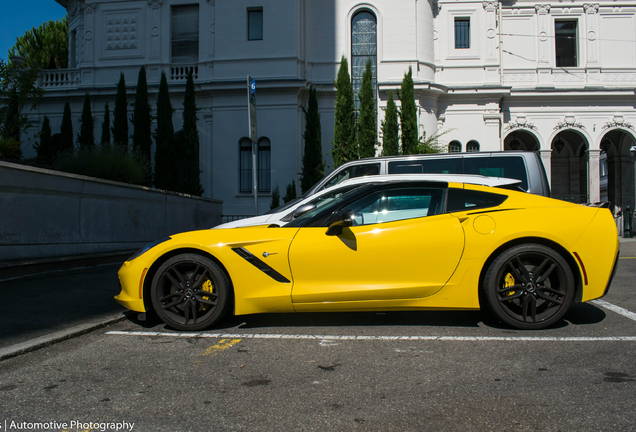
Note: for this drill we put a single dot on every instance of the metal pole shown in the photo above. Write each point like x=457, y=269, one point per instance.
x=255, y=176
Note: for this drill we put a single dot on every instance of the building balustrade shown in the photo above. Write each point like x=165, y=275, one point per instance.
x=180, y=72
x=58, y=78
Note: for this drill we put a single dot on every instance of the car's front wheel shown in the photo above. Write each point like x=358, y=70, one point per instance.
x=190, y=292
x=529, y=286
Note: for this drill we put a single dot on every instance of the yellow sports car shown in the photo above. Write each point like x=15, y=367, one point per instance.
x=436, y=243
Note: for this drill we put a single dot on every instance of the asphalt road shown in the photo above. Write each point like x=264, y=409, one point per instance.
x=420, y=371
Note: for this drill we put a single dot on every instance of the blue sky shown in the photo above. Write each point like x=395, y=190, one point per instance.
x=19, y=16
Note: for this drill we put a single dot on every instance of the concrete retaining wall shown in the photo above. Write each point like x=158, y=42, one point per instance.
x=46, y=213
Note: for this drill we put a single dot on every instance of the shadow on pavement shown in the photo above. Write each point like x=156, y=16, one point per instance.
x=579, y=314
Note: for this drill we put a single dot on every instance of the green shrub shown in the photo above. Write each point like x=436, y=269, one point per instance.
x=10, y=149
x=108, y=163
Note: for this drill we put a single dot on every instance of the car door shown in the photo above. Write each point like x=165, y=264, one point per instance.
x=401, y=246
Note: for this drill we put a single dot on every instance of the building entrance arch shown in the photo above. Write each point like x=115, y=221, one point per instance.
x=616, y=169
x=569, y=166
x=521, y=139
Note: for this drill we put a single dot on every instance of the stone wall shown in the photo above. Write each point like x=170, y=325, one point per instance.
x=46, y=213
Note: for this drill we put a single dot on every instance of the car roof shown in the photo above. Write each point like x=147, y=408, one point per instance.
x=442, y=178
x=443, y=155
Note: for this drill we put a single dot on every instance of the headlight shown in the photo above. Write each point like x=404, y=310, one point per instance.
x=146, y=248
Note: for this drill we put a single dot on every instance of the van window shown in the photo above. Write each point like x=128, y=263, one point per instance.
x=504, y=166
x=353, y=171
x=428, y=166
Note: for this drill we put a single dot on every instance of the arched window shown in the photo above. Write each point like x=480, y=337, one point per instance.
x=245, y=166
x=472, y=146
x=363, y=47
x=454, y=147
x=264, y=165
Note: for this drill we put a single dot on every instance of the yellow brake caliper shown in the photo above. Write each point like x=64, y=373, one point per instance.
x=509, y=281
x=207, y=286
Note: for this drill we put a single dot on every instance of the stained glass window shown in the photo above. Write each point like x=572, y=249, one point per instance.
x=363, y=47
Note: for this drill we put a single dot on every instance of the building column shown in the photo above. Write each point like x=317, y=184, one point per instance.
x=544, y=66
x=593, y=176
x=155, y=28
x=591, y=18
x=89, y=32
x=493, y=120
x=546, y=158
x=492, y=55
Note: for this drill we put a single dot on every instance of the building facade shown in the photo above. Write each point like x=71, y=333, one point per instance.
x=551, y=77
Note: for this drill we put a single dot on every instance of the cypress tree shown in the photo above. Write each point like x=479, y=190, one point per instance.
x=367, y=126
x=141, y=119
x=291, y=192
x=313, y=165
x=11, y=125
x=45, y=147
x=343, y=145
x=275, y=198
x=165, y=156
x=120, y=123
x=191, y=180
x=105, y=141
x=408, y=116
x=66, y=132
x=390, y=141
x=86, y=139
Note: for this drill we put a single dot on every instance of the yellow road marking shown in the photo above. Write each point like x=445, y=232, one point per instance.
x=213, y=350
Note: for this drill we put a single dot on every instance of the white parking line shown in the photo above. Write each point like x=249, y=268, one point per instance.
x=376, y=338
x=614, y=308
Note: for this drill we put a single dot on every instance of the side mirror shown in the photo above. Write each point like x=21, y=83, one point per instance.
x=305, y=208
x=344, y=218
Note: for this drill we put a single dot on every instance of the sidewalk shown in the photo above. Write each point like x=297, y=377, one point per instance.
x=42, y=309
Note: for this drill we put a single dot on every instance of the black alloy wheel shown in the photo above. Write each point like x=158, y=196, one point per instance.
x=190, y=292
x=529, y=286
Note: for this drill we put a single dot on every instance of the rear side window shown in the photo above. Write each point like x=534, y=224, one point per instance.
x=430, y=166
x=462, y=200
x=505, y=166
x=353, y=172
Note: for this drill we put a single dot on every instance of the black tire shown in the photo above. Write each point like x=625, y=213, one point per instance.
x=190, y=292
x=529, y=286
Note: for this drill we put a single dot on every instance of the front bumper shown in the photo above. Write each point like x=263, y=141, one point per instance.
x=131, y=280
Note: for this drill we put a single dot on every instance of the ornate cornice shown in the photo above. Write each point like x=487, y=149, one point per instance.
x=591, y=8
x=519, y=125
x=618, y=123
x=569, y=124
x=542, y=8
x=155, y=3
x=491, y=5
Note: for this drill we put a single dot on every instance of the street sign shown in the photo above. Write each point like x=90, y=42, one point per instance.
x=251, y=103
x=251, y=98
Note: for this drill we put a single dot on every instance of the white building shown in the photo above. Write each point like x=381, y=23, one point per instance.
x=554, y=77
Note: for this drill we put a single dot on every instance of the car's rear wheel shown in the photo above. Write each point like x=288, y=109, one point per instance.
x=190, y=292
x=529, y=286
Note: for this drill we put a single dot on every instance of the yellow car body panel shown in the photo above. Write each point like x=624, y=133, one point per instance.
x=394, y=260
x=432, y=262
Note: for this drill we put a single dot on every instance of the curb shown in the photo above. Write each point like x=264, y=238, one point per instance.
x=59, y=336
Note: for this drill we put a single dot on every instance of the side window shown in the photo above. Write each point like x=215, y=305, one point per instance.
x=391, y=205
x=353, y=172
x=322, y=200
x=462, y=200
x=505, y=166
x=450, y=165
